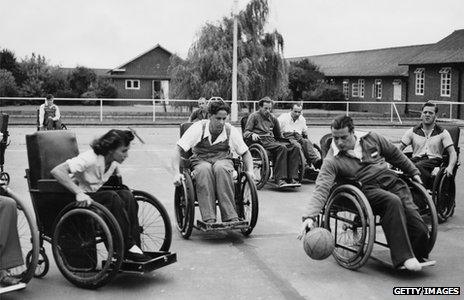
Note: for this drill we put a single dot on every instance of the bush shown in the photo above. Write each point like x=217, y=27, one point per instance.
x=325, y=92
x=8, y=86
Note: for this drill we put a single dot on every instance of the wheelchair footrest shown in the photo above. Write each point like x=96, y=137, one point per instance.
x=222, y=226
x=159, y=260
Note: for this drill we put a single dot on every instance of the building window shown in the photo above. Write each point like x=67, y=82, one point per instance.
x=377, y=89
x=354, y=89
x=346, y=88
x=361, y=88
x=132, y=84
x=445, y=82
x=420, y=81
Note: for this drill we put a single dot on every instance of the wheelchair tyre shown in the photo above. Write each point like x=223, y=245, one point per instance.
x=427, y=211
x=154, y=222
x=444, y=195
x=184, y=206
x=29, y=241
x=301, y=167
x=318, y=150
x=43, y=264
x=100, y=249
x=248, y=202
x=348, y=215
x=261, y=166
x=5, y=177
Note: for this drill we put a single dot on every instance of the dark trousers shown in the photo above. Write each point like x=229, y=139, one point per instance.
x=405, y=231
x=426, y=166
x=52, y=125
x=122, y=205
x=286, y=158
x=304, y=145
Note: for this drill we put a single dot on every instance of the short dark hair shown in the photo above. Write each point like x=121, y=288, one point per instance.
x=49, y=97
x=111, y=140
x=429, y=104
x=216, y=105
x=341, y=122
x=265, y=100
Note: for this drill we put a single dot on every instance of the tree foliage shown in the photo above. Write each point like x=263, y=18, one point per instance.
x=7, y=84
x=81, y=79
x=302, y=78
x=207, y=71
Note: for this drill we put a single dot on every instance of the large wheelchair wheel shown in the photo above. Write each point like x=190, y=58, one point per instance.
x=261, y=166
x=29, y=242
x=154, y=222
x=444, y=195
x=427, y=211
x=184, y=206
x=301, y=167
x=348, y=215
x=247, y=202
x=87, y=245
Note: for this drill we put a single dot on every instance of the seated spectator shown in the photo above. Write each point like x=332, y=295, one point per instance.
x=429, y=141
x=293, y=127
x=49, y=115
x=10, y=248
x=263, y=127
x=211, y=142
x=201, y=113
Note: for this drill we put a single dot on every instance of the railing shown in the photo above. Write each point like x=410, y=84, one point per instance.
x=394, y=113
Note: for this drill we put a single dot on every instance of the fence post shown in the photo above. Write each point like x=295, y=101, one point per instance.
x=254, y=106
x=101, y=110
x=154, y=111
x=391, y=112
x=451, y=111
x=347, y=108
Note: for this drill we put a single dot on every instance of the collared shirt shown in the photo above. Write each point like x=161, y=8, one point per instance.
x=357, y=151
x=287, y=124
x=193, y=136
x=52, y=107
x=432, y=144
x=88, y=170
x=262, y=125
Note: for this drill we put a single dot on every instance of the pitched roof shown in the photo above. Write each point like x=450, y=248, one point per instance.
x=98, y=72
x=151, y=49
x=378, y=62
x=448, y=50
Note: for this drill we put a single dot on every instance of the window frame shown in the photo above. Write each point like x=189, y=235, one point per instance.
x=130, y=84
x=419, y=81
x=346, y=88
x=361, y=88
x=377, y=89
x=354, y=89
x=445, y=82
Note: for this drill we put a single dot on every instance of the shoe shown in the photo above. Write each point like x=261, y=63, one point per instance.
x=7, y=280
x=281, y=183
x=294, y=181
x=232, y=220
x=210, y=221
x=412, y=264
x=137, y=257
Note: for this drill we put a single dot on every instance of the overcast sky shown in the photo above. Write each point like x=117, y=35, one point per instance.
x=108, y=33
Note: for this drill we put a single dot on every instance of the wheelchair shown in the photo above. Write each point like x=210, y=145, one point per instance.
x=444, y=187
x=263, y=162
x=62, y=125
x=185, y=200
x=348, y=215
x=87, y=243
x=28, y=238
x=4, y=143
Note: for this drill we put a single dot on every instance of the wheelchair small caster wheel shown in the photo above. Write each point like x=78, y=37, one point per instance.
x=43, y=264
x=5, y=178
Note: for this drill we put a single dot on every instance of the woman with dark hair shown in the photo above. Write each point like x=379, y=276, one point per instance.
x=86, y=173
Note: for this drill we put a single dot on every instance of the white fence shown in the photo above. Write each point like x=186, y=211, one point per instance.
x=394, y=113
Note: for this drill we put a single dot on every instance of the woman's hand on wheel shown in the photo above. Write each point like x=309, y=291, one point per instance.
x=83, y=200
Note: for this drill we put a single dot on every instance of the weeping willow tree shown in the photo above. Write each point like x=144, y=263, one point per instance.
x=207, y=70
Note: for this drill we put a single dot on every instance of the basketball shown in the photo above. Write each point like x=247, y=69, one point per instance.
x=318, y=243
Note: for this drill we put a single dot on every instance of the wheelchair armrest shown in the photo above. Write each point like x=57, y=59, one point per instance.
x=51, y=186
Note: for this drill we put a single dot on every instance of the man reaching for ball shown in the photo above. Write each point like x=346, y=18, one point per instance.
x=363, y=157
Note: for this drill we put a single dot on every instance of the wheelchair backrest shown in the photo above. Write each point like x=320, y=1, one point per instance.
x=454, y=132
x=325, y=143
x=46, y=150
x=183, y=128
x=243, y=122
